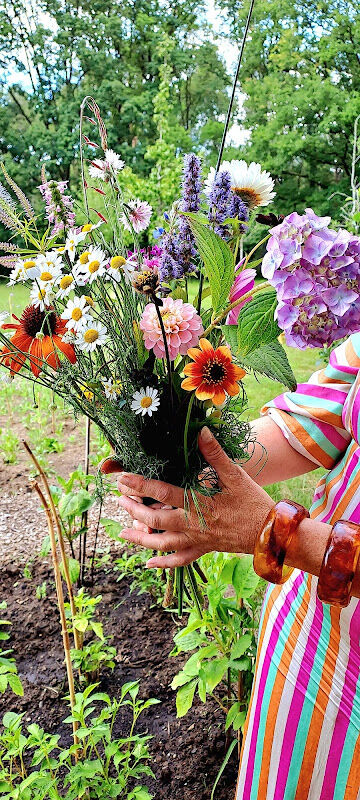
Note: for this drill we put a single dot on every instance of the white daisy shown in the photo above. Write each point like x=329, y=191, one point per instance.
x=3, y=316
x=73, y=239
x=254, y=185
x=23, y=271
x=66, y=284
x=145, y=401
x=53, y=258
x=112, y=389
x=49, y=270
x=120, y=266
x=86, y=271
x=42, y=296
x=77, y=313
x=91, y=226
x=92, y=336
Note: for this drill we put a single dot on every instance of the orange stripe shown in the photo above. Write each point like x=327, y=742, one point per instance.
x=276, y=694
x=332, y=482
x=352, y=358
x=305, y=439
x=353, y=781
x=317, y=718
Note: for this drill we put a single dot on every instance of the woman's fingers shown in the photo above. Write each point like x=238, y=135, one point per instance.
x=131, y=484
x=179, y=559
x=169, y=540
x=173, y=520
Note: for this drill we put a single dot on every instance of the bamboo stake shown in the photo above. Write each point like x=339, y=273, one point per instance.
x=60, y=539
x=61, y=607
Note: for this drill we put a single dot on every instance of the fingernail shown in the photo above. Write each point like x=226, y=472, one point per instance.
x=127, y=479
x=205, y=434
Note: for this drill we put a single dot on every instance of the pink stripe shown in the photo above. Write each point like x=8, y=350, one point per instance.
x=298, y=699
x=332, y=434
x=322, y=391
x=344, y=481
x=343, y=715
x=283, y=614
x=355, y=415
x=347, y=368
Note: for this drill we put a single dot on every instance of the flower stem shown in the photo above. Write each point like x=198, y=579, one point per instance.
x=247, y=259
x=186, y=431
x=226, y=311
x=168, y=362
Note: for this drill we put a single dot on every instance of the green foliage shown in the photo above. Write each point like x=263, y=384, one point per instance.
x=301, y=78
x=34, y=764
x=268, y=359
x=8, y=670
x=256, y=323
x=9, y=446
x=132, y=565
x=222, y=638
x=218, y=261
x=93, y=658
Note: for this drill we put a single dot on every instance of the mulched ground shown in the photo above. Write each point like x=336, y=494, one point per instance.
x=187, y=753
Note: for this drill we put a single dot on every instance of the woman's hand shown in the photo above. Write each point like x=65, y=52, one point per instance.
x=232, y=518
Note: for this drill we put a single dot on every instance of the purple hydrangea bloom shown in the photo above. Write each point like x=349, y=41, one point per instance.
x=316, y=273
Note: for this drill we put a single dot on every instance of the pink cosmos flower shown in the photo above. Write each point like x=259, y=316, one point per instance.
x=138, y=213
x=183, y=327
x=243, y=283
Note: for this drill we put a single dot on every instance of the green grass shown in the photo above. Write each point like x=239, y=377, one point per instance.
x=303, y=363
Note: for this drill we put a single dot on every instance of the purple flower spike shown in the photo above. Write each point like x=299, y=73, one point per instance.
x=219, y=199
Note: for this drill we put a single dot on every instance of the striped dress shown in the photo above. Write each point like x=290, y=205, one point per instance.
x=302, y=734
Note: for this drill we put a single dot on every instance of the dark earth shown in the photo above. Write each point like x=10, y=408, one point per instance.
x=186, y=753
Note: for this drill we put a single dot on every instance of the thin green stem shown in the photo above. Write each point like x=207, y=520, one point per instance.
x=225, y=312
x=186, y=431
x=254, y=249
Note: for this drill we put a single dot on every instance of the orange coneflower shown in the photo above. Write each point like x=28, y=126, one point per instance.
x=37, y=335
x=213, y=373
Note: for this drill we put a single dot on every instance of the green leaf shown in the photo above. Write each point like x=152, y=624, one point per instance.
x=245, y=580
x=185, y=697
x=214, y=672
x=179, y=294
x=241, y=646
x=98, y=629
x=73, y=567
x=218, y=261
x=271, y=360
x=16, y=685
x=112, y=527
x=256, y=323
x=228, y=570
x=233, y=711
x=75, y=503
x=223, y=765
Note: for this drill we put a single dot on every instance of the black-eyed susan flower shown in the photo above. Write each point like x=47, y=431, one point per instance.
x=38, y=336
x=212, y=374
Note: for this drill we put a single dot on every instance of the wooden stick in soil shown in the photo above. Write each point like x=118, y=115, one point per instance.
x=61, y=607
x=60, y=539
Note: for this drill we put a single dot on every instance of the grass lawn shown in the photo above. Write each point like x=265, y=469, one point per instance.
x=303, y=362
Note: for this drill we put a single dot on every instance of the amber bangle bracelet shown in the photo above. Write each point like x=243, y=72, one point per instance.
x=274, y=539
x=339, y=564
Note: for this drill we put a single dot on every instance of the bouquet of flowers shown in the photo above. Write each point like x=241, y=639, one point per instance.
x=150, y=333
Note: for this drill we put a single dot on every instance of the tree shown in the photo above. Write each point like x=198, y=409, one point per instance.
x=301, y=75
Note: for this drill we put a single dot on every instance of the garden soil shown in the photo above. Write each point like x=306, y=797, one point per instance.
x=187, y=752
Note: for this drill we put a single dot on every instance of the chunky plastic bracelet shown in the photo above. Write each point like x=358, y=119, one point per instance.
x=339, y=564
x=274, y=539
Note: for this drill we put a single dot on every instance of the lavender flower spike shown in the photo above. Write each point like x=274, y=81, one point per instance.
x=191, y=187
x=219, y=198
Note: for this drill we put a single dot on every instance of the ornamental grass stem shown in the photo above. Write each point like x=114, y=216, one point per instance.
x=60, y=538
x=61, y=607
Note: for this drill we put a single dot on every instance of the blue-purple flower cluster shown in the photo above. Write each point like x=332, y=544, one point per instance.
x=179, y=249
x=316, y=273
x=225, y=203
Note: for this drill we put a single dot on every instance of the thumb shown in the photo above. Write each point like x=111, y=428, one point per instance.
x=214, y=454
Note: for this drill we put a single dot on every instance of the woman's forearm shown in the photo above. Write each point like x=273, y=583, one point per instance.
x=272, y=458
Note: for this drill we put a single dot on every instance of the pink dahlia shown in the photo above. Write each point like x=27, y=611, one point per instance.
x=183, y=327
x=243, y=283
x=137, y=215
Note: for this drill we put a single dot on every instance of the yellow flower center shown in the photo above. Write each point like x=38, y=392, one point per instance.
x=145, y=402
x=84, y=258
x=29, y=264
x=94, y=266
x=46, y=276
x=91, y=335
x=86, y=228
x=117, y=262
x=41, y=294
x=66, y=281
x=76, y=314
x=89, y=301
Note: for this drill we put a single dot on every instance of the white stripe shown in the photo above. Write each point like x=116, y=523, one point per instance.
x=280, y=601
x=284, y=707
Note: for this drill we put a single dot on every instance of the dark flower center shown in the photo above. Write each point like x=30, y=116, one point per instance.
x=34, y=321
x=146, y=282
x=214, y=372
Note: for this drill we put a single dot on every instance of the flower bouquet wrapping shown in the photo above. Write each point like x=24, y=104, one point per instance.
x=150, y=333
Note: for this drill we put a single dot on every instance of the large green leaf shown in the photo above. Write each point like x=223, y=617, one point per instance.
x=256, y=323
x=245, y=580
x=269, y=359
x=184, y=698
x=218, y=261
